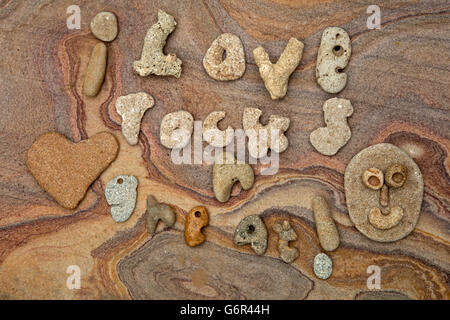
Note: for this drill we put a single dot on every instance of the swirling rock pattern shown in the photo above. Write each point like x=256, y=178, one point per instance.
x=398, y=86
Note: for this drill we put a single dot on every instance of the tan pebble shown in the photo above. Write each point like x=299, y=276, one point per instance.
x=373, y=178
x=132, y=108
x=396, y=175
x=65, y=169
x=333, y=56
x=213, y=135
x=398, y=216
x=326, y=228
x=153, y=60
x=276, y=76
x=96, y=69
x=176, y=129
x=285, y=234
x=328, y=140
x=384, y=222
x=261, y=138
x=226, y=171
x=233, y=66
x=196, y=220
x=104, y=26
x=158, y=211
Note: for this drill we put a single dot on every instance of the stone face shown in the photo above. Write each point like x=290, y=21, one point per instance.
x=233, y=66
x=104, y=26
x=286, y=234
x=252, y=230
x=276, y=76
x=66, y=170
x=132, y=108
x=226, y=171
x=96, y=69
x=361, y=199
x=176, y=129
x=196, y=219
x=333, y=56
x=153, y=60
x=323, y=266
x=326, y=228
x=158, y=211
x=335, y=135
x=262, y=138
x=213, y=135
x=120, y=193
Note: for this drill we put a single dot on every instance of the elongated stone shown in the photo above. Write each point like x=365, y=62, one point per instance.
x=96, y=69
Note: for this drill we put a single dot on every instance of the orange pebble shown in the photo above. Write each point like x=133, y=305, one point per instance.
x=196, y=219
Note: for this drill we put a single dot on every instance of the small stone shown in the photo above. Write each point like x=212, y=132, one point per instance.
x=233, y=66
x=132, y=108
x=323, y=266
x=104, y=26
x=158, y=211
x=120, y=193
x=262, y=138
x=326, y=228
x=65, y=170
x=96, y=69
x=196, y=220
x=276, y=76
x=176, y=129
x=333, y=56
x=252, y=230
x=335, y=135
x=212, y=134
x=286, y=234
x=379, y=219
x=153, y=60
x=226, y=172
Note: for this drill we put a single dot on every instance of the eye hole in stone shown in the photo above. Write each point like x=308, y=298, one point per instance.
x=338, y=51
x=373, y=178
x=339, y=70
x=197, y=214
x=120, y=181
x=396, y=175
x=251, y=228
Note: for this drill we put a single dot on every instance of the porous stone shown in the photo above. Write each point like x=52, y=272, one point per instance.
x=285, y=234
x=233, y=66
x=323, y=266
x=196, y=220
x=276, y=76
x=385, y=221
x=64, y=169
x=252, y=230
x=153, y=60
x=158, y=211
x=96, y=69
x=361, y=199
x=335, y=135
x=333, y=56
x=212, y=134
x=176, y=129
x=326, y=228
x=132, y=108
x=261, y=138
x=104, y=26
x=226, y=172
x=120, y=193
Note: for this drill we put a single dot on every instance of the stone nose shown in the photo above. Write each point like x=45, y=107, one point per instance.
x=384, y=195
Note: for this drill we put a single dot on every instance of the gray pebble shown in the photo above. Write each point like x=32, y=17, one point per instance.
x=252, y=230
x=120, y=193
x=323, y=266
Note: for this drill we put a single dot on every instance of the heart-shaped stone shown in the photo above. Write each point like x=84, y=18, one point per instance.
x=66, y=169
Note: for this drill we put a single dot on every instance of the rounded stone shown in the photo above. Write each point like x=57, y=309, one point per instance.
x=104, y=26
x=360, y=199
x=323, y=266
